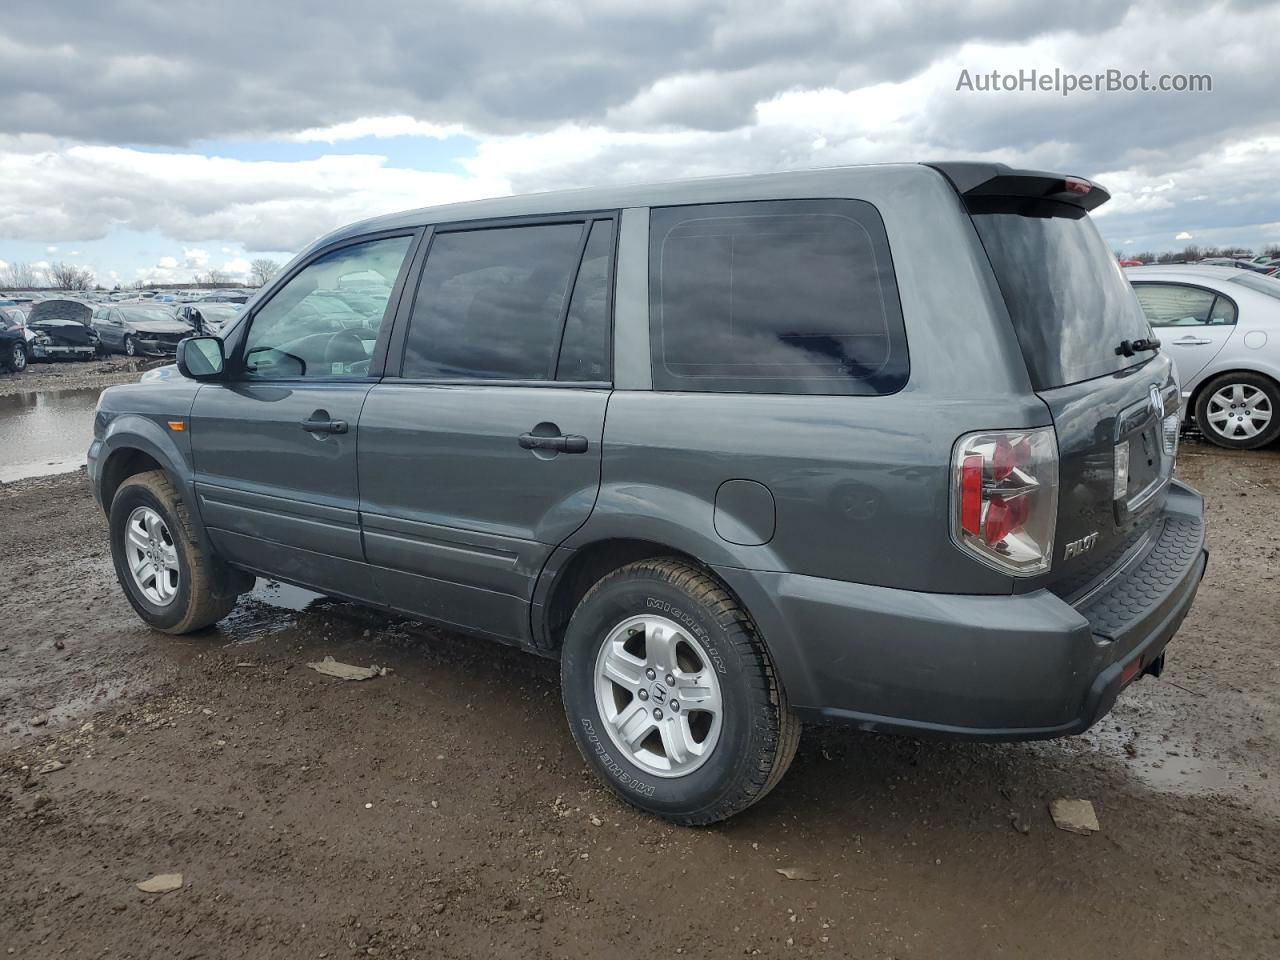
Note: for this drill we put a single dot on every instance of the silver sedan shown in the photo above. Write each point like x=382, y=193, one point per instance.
x=1222, y=328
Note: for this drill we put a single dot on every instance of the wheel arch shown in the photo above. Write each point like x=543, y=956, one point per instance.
x=570, y=573
x=134, y=444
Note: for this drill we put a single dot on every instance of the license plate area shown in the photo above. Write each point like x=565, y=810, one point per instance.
x=1139, y=427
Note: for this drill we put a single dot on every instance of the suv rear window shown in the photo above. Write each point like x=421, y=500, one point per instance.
x=1070, y=304
x=786, y=296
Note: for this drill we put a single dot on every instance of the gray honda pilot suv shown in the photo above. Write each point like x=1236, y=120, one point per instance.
x=885, y=445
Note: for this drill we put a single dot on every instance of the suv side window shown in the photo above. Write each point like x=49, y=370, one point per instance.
x=780, y=296
x=1180, y=305
x=497, y=303
x=324, y=321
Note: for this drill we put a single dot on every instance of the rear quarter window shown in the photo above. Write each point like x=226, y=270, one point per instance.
x=789, y=296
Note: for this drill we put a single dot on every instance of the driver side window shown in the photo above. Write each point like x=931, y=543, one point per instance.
x=325, y=321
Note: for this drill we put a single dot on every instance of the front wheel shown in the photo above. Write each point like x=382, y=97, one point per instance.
x=18, y=358
x=1240, y=411
x=130, y=347
x=168, y=578
x=672, y=697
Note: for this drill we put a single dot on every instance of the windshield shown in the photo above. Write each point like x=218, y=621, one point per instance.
x=1070, y=304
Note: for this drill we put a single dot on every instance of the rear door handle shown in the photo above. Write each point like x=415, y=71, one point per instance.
x=324, y=426
x=568, y=443
x=1191, y=341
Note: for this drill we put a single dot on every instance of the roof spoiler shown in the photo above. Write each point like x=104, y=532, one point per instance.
x=992, y=180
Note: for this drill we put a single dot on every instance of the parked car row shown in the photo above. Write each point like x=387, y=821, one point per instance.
x=67, y=328
x=1267, y=266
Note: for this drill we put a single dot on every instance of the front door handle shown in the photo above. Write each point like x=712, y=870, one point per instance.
x=568, y=443
x=1191, y=342
x=324, y=426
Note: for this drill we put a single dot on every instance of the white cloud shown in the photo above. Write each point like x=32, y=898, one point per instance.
x=50, y=249
x=167, y=263
x=397, y=126
x=1182, y=236
x=237, y=267
x=81, y=191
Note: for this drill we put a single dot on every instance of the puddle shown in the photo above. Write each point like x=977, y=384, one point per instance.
x=268, y=607
x=283, y=595
x=45, y=432
x=1160, y=737
x=1163, y=762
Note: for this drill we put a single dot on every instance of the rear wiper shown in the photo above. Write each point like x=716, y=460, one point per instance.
x=1128, y=348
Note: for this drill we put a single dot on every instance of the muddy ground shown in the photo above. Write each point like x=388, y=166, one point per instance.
x=76, y=374
x=443, y=811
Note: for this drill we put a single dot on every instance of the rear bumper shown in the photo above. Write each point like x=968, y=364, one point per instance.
x=1010, y=667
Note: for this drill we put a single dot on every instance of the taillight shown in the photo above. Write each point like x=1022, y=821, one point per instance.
x=1005, y=490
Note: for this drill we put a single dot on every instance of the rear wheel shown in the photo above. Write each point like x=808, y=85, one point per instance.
x=1239, y=410
x=168, y=578
x=672, y=697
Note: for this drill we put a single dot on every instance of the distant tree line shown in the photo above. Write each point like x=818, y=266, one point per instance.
x=1195, y=252
x=69, y=276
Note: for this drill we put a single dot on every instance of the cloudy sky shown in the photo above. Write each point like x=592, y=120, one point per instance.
x=154, y=138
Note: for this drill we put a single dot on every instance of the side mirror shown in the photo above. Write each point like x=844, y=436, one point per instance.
x=201, y=358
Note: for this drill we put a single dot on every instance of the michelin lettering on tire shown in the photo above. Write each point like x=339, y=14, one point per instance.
x=612, y=765
x=704, y=638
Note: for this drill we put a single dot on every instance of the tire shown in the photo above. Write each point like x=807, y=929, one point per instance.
x=196, y=603
x=746, y=751
x=18, y=358
x=130, y=348
x=1219, y=419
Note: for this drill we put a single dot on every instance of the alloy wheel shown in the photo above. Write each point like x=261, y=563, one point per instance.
x=1239, y=411
x=19, y=357
x=152, y=556
x=658, y=694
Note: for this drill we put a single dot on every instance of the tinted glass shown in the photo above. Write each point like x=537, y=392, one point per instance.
x=1070, y=304
x=325, y=321
x=1174, y=305
x=790, y=296
x=490, y=303
x=584, y=351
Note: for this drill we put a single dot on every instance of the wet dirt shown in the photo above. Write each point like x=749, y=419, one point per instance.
x=77, y=374
x=443, y=811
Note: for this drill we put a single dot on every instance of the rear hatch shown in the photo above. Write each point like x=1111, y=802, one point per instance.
x=1086, y=343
